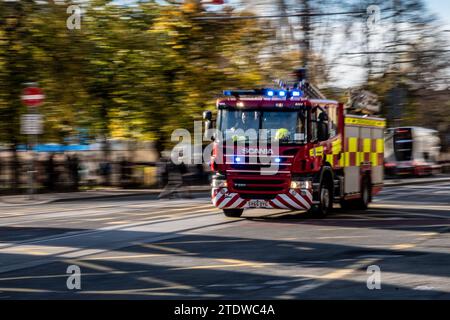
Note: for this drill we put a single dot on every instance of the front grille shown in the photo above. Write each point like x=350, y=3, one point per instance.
x=255, y=188
x=259, y=181
x=251, y=184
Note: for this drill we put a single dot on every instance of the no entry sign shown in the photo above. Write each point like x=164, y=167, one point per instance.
x=32, y=96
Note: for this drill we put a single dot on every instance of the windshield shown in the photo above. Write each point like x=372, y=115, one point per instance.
x=403, y=144
x=285, y=126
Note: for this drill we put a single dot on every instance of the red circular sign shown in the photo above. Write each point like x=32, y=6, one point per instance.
x=32, y=96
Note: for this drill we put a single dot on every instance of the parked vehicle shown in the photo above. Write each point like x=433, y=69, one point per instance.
x=411, y=151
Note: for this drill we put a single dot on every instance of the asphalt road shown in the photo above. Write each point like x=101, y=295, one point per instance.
x=142, y=248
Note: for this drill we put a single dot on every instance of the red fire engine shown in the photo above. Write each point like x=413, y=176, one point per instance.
x=322, y=155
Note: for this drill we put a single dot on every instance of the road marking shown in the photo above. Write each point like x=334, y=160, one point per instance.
x=94, y=266
x=395, y=214
x=427, y=234
x=423, y=288
x=24, y=290
x=94, y=211
x=162, y=248
x=227, y=263
x=136, y=256
x=205, y=241
x=409, y=206
x=403, y=246
x=342, y=237
x=321, y=280
x=119, y=222
x=382, y=197
x=163, y=230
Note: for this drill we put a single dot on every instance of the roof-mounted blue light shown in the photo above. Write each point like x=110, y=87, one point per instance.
x=296, y=93
x=270, y=93
x=282, y=93
x=227, y=93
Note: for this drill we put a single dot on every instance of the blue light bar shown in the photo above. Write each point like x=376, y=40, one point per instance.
x=282, y=93
x=227, y=93
x=270, y=93
x=296, y=93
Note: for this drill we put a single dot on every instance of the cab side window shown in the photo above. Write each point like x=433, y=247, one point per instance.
x=314, y=124
x=332, y=120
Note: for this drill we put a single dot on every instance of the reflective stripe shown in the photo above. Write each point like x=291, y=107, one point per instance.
x=380, y=146
x=374, y=159
x=278, y=204
x=222, y=199
x=330, y=158
x=367, y=145
x=336, y=146
x=318, y=151
x=352, y=144
x=381, y=123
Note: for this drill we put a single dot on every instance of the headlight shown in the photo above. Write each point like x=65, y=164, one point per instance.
x=219, y=183
x=304, y=184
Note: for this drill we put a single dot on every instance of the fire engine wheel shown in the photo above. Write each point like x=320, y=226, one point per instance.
x=363, y=202
x=233, y=213
x=325, y=205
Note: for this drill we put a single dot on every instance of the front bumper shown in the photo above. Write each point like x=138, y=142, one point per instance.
x=293, y=200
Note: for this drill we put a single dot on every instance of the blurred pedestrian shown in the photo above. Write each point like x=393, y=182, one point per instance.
x=50, y=173
x=105, y=172
x=73, y=165
x=176, y=182
x=125, y=172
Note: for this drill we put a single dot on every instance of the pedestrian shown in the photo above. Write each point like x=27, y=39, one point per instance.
x=176, y=182
x=125, y=172
x=105, y=172
x=50, y=173
x=73, y=165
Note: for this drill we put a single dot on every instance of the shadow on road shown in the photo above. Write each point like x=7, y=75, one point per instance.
x=223, y=267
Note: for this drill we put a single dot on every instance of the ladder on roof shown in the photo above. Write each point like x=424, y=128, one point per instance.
x=311, y=91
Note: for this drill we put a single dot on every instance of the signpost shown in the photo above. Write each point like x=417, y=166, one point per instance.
x=31, y=125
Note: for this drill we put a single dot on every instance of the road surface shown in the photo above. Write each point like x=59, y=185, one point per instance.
x=143, y=248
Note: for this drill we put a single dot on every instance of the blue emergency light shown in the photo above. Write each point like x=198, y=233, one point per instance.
x=296, y=93
x=270, y=93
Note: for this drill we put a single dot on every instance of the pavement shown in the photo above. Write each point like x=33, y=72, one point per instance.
x=138, y=247
x=8, y=201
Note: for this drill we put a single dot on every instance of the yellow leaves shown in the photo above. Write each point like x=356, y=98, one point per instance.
x=119, y=100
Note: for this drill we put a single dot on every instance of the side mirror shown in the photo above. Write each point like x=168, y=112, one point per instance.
x=207, y=115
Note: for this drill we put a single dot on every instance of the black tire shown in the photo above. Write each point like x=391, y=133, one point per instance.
x=363, y=202
x=325, y=205
x=233, y=213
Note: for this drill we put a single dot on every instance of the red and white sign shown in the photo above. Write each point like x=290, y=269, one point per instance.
x=33, y=96
x=217, y=2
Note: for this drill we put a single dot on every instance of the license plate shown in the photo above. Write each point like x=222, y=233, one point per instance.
x=257, y=204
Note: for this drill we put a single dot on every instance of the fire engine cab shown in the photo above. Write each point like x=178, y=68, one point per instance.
x=306, y=154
